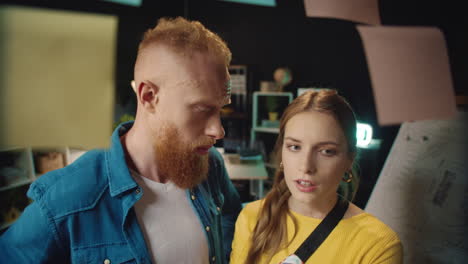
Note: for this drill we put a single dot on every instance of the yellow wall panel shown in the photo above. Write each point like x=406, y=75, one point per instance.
x=56, y=77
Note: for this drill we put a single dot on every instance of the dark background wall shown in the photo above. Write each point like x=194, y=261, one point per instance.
x=320, y=52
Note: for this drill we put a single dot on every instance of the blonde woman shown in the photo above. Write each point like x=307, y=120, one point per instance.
x=316, y=148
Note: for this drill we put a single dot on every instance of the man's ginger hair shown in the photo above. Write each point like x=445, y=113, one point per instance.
x=184, y=37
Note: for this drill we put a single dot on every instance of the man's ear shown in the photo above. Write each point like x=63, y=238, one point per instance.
x=148, y=95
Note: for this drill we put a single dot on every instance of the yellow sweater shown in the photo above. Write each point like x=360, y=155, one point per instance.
x=359, y=239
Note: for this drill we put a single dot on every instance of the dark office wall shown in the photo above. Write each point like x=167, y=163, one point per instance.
x=132, y=23
x=328, y=53
x=321, y=52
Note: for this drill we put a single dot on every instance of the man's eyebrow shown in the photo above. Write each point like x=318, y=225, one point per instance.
x=210, y=103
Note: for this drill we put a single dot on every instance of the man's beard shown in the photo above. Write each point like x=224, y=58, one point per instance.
x=178, y=161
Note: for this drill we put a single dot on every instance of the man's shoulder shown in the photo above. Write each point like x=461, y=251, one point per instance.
x=216, y=165
x=74, y=187
x=215, y=156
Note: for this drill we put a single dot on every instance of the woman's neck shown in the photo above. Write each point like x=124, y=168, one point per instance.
x=316, y=209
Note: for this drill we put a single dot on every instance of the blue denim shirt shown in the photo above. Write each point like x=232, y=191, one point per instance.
x=84, y=213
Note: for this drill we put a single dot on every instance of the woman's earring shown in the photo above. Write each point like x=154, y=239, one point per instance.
x=348, y=177
x=281, y=166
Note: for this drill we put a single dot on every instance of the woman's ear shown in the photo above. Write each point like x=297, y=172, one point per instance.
x=148, y=95
x=352, y=157
x=133, y=84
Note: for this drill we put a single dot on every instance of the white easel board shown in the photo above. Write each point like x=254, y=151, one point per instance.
x=422, y=191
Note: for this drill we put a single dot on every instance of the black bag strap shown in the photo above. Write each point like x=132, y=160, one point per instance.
x=322, y=231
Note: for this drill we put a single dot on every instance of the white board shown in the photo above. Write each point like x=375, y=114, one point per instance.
x=409, y=69
x=57, y=80
x=363, y=11
x=422, y=191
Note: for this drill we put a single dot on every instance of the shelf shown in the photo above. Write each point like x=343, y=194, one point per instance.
x=23, y=159
x=267, y=129
x=16, y=167
x=16, y=184
x=18, y=170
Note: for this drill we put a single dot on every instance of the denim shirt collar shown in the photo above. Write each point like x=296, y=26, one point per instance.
x=120, y=179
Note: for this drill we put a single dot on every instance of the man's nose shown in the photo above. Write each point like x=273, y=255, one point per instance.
x=214, y=128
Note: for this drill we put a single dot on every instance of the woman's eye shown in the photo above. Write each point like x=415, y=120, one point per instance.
x=328, y=152
x=293, y=147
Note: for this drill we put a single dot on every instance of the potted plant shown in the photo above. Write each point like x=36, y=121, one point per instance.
x=272, y=108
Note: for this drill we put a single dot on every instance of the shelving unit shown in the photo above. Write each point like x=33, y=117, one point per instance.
x=16, y=168
x=259, y=101
x=267, y=129
x=256, y=127
x=234, y=115
x=16, y=184
x=19, y=167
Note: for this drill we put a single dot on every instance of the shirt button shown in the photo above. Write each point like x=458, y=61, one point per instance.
x=107, y=261
x=193, y=197
x=137, y=191
x=207, y=228
x=219, y=209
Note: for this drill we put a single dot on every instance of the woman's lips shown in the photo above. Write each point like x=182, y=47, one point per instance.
x=305, y=186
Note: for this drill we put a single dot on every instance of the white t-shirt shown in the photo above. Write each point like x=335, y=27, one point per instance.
x=172, y=230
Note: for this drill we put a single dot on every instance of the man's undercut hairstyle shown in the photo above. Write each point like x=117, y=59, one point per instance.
x=185, y=37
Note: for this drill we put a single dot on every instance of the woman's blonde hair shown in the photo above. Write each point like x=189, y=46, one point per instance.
x=270, y=233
